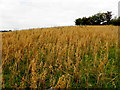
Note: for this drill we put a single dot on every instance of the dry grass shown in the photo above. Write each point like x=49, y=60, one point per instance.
x=76, y=56
x=0, y=60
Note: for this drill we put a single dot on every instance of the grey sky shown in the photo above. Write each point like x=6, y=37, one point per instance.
x=21, y=14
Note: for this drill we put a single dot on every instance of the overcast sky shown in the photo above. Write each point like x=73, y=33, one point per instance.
x=21, y=14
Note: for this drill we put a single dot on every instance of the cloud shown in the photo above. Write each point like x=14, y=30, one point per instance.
x=39, y=13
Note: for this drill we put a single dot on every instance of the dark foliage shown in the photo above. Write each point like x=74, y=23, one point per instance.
x=6, y=31
x=115, y=21
x=98, y=19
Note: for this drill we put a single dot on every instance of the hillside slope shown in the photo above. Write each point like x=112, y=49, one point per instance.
x=65, y=57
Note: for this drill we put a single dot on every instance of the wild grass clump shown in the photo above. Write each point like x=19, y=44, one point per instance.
x=66, y=57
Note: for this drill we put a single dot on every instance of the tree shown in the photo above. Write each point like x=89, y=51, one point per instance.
x=97, y=19
x=78, y=21
x=108, y=16
x=115, y=21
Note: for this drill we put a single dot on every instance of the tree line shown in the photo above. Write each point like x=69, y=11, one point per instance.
x=98, y=19
x=6, y=31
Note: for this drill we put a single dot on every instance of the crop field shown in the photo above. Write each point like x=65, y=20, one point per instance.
x=61, y=57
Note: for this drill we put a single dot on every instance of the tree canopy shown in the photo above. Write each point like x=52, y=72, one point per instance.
x=98, y=19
